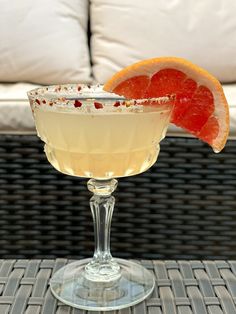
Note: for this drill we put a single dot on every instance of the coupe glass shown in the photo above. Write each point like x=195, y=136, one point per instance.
x=101, y=136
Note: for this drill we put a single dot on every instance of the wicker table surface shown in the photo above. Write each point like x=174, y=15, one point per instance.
x=182, y=287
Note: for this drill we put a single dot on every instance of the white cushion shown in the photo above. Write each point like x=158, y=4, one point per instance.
x=126, y=31
x=15, y=113
x=16, y=116
x=44, y=42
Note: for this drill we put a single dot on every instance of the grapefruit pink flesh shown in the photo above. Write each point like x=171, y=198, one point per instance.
x=194, y=105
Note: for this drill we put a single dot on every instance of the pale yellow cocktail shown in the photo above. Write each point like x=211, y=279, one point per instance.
x=102, y=144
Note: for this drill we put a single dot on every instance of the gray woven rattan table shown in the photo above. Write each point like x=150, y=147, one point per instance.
x=182, y=287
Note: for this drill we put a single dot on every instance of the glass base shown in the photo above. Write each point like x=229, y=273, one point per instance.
x=70, y=286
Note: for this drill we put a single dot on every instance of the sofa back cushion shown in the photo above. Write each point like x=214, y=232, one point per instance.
x=127, y=31
x=44, y=42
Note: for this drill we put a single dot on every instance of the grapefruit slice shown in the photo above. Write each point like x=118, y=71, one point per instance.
x=200, y=104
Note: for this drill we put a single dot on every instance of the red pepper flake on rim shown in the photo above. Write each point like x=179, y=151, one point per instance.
x=98, y=105
x=117, y=104
x=79, y=88
x=44, y=101
x=77, y=104
x=37, y=101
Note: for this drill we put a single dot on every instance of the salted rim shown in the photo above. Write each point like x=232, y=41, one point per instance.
x=85, y=98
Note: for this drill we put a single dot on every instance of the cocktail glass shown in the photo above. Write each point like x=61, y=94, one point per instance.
x=101, y=136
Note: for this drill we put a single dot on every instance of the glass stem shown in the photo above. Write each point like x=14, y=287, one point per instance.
x=102, y=266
